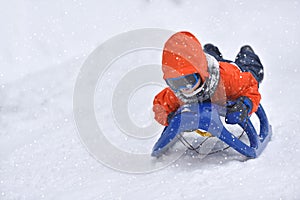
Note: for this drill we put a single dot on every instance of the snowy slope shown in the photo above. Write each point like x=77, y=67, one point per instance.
x=43, y=46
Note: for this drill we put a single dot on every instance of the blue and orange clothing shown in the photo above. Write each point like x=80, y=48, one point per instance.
x=225, y=81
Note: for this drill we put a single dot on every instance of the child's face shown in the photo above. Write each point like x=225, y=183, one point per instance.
x=189, y=90
x=186, y=84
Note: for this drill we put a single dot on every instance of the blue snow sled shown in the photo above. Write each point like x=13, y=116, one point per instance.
x=206, y=116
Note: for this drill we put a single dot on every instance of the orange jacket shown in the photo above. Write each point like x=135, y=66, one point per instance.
x=183, y=55
x=233, y=84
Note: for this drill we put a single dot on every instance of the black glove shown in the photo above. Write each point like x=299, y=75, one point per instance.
x=238, y=111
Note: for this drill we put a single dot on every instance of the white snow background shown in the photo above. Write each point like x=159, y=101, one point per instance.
x=42, y=47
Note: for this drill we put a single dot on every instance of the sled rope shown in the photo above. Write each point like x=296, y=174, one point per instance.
x=196, y=149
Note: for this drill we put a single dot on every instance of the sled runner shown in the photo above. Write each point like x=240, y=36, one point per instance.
x=207, y=117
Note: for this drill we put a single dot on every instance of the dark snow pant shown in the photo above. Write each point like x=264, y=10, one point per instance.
x=247, y=61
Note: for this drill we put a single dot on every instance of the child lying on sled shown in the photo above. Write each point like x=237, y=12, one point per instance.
x=199, y=75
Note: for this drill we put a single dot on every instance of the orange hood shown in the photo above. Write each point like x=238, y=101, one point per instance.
x=183, y=55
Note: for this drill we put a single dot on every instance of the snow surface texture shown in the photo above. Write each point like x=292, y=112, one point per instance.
x=43, y=45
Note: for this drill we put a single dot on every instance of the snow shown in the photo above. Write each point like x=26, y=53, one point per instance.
x=43, y=46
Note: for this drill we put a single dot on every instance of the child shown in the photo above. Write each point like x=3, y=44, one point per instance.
x=197, y=75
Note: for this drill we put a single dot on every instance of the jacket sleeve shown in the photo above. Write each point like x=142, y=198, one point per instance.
x=164, y=103
x=238, y=84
